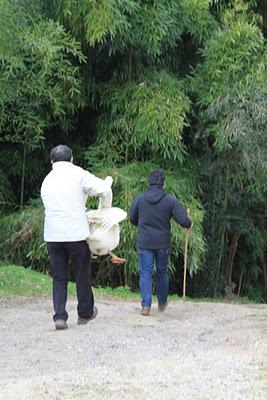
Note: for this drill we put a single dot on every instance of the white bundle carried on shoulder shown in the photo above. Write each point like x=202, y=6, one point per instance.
x=104, y=228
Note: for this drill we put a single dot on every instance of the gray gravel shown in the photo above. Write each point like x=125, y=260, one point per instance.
x=194, y=351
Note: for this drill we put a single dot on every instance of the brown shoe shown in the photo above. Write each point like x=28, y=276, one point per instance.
x=162, y=307
x=145, y=311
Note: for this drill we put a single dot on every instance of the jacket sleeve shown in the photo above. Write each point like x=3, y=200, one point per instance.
x=94, y=186
x=179, y=214
x=134, y=212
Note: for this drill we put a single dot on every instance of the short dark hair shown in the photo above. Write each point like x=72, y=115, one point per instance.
x=156, y=177
x=61, y=153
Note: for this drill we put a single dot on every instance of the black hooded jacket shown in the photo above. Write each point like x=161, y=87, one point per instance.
x=152, y=211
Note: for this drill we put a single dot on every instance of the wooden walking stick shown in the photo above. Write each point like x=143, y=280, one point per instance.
x=185, y=258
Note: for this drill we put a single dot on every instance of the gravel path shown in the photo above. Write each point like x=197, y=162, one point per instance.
x=193, y=351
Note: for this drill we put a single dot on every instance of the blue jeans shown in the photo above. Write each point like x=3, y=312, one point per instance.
x=146, y=266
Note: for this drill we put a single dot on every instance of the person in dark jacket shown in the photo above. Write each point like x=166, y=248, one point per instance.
x=152, y=212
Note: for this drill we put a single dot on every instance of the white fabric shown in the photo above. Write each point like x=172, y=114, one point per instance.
x=64, y=193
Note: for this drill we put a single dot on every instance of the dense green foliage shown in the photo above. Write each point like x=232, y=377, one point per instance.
x=39, y=87
x=133, y=85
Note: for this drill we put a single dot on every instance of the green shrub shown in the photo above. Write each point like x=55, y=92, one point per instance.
x=21, y=238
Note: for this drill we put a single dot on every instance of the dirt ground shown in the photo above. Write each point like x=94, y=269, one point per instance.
x=193, y=351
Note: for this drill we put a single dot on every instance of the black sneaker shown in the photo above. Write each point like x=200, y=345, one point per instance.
x=83, y=321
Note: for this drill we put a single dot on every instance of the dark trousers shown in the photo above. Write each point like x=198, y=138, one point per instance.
x=78, y=252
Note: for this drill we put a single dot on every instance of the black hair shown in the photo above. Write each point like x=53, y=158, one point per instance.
x=61, y=153
x=156, y=177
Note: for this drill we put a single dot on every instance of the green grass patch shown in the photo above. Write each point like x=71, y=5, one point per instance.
x=121, y=291
x=20, y=281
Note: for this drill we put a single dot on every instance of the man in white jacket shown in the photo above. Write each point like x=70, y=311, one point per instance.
x=64, y=193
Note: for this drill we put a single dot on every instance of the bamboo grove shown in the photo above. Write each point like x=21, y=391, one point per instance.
x=133, y=85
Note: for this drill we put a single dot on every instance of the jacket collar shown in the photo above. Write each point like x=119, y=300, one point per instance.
x=62, y=164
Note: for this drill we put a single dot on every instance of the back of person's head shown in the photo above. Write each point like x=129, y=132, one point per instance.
x=156, y=178
x=61, y=153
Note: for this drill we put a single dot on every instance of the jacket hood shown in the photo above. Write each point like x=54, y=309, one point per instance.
x=154, y=194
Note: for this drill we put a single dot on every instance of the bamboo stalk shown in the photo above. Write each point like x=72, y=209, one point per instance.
x=22, y=181
x=185, y=259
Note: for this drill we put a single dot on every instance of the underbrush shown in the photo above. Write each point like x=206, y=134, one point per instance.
x=21, y=238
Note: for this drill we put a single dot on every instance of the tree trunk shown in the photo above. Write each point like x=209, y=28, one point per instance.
x=264, y=270
x=240, y=284
x=22, y=181
x=230, y=261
